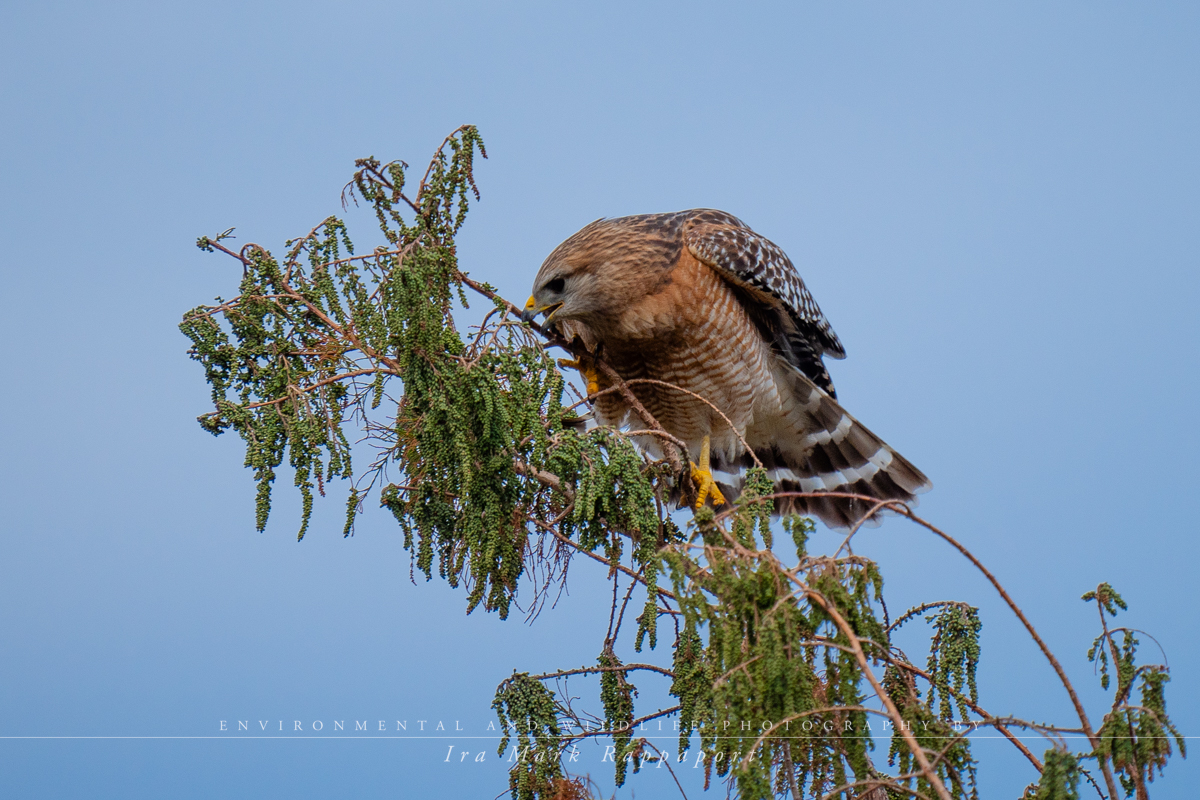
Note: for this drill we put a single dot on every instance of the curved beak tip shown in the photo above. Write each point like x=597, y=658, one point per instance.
x=530, y=311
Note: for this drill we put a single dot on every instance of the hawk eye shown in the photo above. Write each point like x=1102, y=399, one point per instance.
x=556, y=285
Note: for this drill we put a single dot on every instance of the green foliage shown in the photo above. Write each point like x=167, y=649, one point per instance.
x=325, y=340
x=692, y=683
x=496, y=483
x=777, y=695
x=613, y=491
x=463, y=427
x=799, y=529
x=953, y=659
x=1108, y=602
x=524, y=706
x=1060, y=777
x=1135, y=737
x=616, y=696
x=955, y=766
x=279, y=361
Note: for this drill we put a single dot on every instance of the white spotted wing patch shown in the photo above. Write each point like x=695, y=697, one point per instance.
x=725, y=243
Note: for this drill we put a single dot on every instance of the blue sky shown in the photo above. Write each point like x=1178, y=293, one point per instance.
x=995, y=206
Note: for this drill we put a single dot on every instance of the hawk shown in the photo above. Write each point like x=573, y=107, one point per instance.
x=699, y=301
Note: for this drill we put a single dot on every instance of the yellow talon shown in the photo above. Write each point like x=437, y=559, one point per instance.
x=586, y=370
x=702, y=476
x=707, y=487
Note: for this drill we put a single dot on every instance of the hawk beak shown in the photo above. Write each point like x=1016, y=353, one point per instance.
x=532, y=310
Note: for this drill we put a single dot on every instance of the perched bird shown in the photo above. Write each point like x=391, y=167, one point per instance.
x=699, y=301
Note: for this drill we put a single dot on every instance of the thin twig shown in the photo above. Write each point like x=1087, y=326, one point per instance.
x=662, y=759
x=593, y=670
x=620, y=568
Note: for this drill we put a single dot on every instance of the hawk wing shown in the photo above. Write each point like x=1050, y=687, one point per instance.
x=771, y=287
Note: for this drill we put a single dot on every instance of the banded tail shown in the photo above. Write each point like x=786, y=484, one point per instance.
x=838, y=454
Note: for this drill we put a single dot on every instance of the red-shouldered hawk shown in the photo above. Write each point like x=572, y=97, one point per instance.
x=698, y=300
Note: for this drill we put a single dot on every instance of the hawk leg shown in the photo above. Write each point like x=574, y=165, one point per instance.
x=706, y=487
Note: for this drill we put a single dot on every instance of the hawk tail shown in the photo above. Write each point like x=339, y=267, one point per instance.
x=838, y=455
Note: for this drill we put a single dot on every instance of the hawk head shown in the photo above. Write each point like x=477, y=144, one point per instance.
x=597, y=273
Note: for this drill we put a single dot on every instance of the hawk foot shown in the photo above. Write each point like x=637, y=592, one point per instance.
x=586, y=370
x=706, y=487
